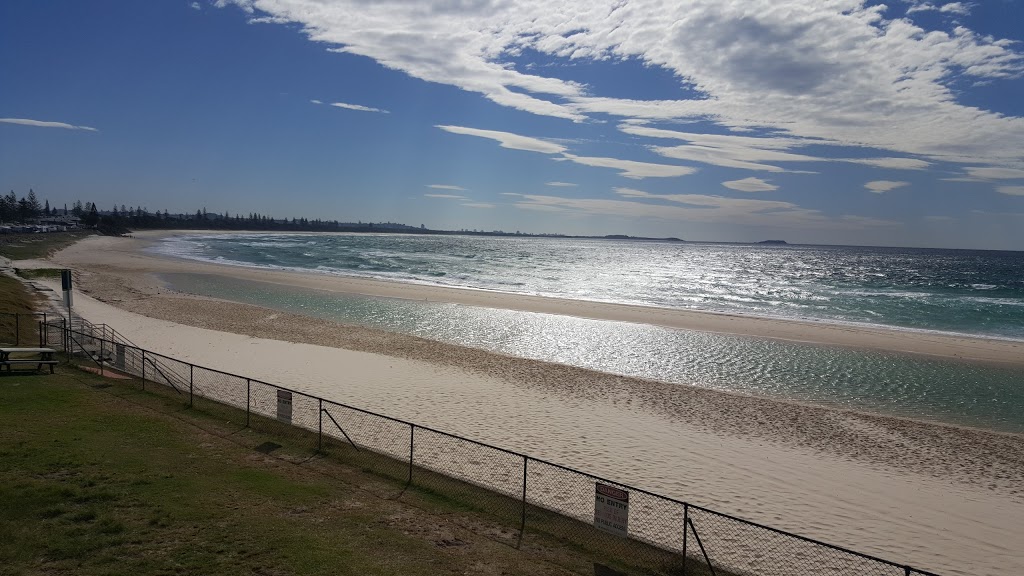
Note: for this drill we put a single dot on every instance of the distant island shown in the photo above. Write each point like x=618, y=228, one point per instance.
x=773, y=242
x=625, y=237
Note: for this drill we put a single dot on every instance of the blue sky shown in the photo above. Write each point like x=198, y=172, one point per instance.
x=837, y=121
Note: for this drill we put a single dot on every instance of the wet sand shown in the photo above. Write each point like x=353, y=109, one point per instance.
x=938, y=497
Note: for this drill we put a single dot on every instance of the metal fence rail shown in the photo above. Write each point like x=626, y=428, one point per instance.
x=527, y=495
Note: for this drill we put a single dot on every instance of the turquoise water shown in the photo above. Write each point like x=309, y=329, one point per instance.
x=962, y=291
x=947, y=391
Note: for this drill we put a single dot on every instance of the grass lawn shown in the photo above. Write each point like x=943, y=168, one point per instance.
x=107, y=480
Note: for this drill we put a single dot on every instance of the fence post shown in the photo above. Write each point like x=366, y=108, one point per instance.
x=102, y=354
x=686, y=529
x=522, y=513
x=248, y=395
x=190, y=367
x=412, y=440
x=67, y=337
x=907, y=568
x=320, y=426
x=44, y=333
x=143, y=368
x=17, y=329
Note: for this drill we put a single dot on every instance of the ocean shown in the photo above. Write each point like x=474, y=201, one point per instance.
x=979, y=293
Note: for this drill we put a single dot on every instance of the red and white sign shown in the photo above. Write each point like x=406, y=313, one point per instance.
x=611, y=509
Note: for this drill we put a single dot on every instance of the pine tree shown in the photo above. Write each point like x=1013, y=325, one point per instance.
x=33, y=204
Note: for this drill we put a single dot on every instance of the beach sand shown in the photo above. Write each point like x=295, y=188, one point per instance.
x=942, y=498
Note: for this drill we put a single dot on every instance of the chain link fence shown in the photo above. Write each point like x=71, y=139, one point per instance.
x=635, y=531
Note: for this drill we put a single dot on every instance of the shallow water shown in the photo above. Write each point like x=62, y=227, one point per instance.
x=981, y=395
x=966, y=291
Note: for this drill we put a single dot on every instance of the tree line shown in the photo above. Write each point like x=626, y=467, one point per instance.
x=24, y=209
x=120, y=220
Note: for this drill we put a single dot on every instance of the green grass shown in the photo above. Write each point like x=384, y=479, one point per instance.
x=99, y=477
x=29, y=246
x=34, y=273
x=16, y=299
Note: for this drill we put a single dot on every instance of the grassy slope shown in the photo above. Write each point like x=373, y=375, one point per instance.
x=29, y=246
x=16, y=299
x=98, y=481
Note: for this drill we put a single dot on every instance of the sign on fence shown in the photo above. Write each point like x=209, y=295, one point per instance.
x=611, y=509
x=284, y=406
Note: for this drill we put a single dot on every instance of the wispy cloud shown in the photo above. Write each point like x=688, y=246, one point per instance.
x=959, y=8
x=448, y=196
x=358, y=107
x=561, y=184
x=879, y=186
x=750, y=185
x=891, y=163
x=477, y=205
x=446, y=187
x=632, y=169
x=993, y=173
x=1011, y=190
x=754, y=152
x=508, y=139
x=196, y=6
x=43, y=124
x=316, y=101
x=696, y=208
x=852, y=72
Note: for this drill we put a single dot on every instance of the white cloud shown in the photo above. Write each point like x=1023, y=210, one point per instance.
x=446, y=187
x=959, y=8
x=44, y=124
x=751, y=153
x=1011, y=190
x=316, y=101
x=560, y=184
x=750, y=185
x=477, y=205
x=358, y=107
x=632, y=169
x=993, y=173
x=892, y=163
x=508, y=139
x=956, y=8
x=879, y=186
x=196, y=6
x=841, y=70
x=448, y=196
x=696, y=208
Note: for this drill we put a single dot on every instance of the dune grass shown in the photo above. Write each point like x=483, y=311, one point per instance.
x=29, y=246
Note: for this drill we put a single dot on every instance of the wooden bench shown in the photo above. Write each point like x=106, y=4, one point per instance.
x=40, y=357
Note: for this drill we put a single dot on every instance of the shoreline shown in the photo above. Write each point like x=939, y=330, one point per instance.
x=127, y=255
x=877, y=484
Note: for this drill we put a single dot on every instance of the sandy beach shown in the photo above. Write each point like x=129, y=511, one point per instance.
x=938, y=497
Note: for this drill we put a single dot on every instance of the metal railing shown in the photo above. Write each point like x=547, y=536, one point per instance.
x=21, y=328
x=527, y=495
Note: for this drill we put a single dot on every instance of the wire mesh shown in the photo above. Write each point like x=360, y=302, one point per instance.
x=747, y=548
x=163, y=370
x=373, y=442
x=463, y=467
x=654, y=529
x=559, y=501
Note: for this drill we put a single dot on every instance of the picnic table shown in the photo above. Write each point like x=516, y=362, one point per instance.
x=38, y=356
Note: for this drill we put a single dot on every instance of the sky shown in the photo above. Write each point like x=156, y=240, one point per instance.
x=824, y=121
